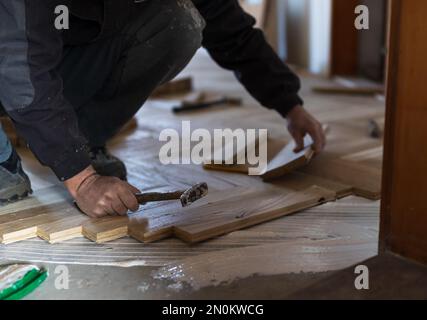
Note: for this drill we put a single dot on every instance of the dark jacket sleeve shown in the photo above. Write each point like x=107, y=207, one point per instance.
x=31, y=90
x=234, y=43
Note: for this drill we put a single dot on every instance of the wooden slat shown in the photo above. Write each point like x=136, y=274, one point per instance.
x=10, y=217
x=177, y=86
x=157, y=222
x=256, y=207
x=106, y=229
x=222, y=161
x=67, y=228
x=348, y=90
x=370, y=157
x=22, y=225
x=287, y=160
x=299, y=181
x=26, y=228
x=365, y=181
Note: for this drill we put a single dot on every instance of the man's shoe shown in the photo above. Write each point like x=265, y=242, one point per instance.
x=106, y=164
x=14, y=186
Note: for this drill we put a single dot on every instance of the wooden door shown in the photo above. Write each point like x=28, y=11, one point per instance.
x=404, y=208
x=344, y=38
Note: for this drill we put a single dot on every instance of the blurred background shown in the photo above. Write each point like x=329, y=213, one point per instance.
x=319, y=35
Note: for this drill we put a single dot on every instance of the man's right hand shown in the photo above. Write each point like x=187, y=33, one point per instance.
x=99, y=196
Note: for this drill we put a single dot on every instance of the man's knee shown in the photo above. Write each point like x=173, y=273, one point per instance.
x=183, y=36
x=163, y=36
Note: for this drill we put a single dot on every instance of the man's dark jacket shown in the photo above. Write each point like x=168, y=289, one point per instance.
x=31, y=49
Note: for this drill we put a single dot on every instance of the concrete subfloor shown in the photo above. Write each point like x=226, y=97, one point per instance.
x=98, y=282
x=390, y=277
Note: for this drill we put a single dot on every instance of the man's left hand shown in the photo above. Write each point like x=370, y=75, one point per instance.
x=300, y=123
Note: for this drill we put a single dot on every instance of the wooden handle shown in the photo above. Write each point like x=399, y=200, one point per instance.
x=158, y=196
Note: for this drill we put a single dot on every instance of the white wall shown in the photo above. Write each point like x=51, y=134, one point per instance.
x=308, y=24
x=320, y=36
x=297, y=17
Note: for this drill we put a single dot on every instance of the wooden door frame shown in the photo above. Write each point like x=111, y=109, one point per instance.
x=403, y=226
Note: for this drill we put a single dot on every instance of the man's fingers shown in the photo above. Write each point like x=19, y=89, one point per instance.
x=318, y=137
x=129, y=200
x=109, y=211
x=94, y=213
x=301, y=122
x=107, y=196
x=134, y=189
x=119, y=207
x=299, y=141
